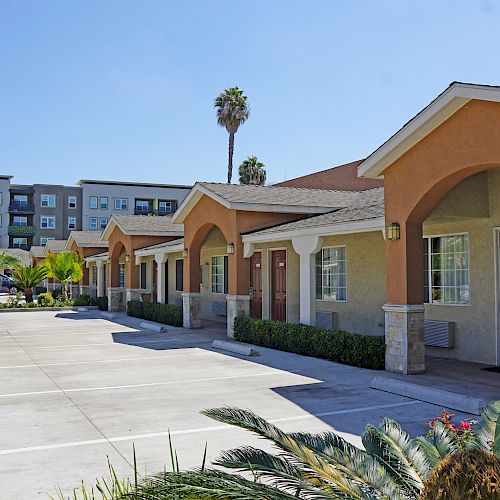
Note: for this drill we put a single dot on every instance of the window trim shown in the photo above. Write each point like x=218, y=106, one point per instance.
x=177, y=289
x=225, y=282
x=46, y=238
x=346, y=274
x=96, y=202
x=96, y=223
x=24, y=238
x=429, y=271
x=100, y=226
x=100, y=202
x=121, y=205
x=69, y=227
x=143, y=276
x=69, y=202
x=48, y=217
x=48, y=196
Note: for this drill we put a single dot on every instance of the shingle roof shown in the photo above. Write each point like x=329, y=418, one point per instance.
x=37, y=251
x=279, y=195
x=55, y=246
x=370, y=205
x=146, y=223
x=162, y=246
x=88, y=238
x=24, y=255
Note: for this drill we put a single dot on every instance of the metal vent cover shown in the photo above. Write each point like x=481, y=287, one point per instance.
x=439, y=333
x=326, y=319
x=219, y=308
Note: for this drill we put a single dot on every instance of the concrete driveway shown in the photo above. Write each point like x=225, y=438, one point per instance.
x=76, y=389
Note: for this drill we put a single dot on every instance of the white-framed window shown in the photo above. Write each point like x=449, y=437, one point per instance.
x=71, y=201
x=94, y=276
x=219, y=274
x=179, y=275
x=103, y=202
x=142, y=205
x=19, y=220
x=44, y=239
x=48, y=200
x=71, y=222
x=20, y=200
x=121, y=276
x=103, y=222
x=446, y=269
x=93, y=223
x=144, y=276
x=93, y=202
x=19, y=242
x=331, y=274
x=121, y=203
x=167, y=206
x=47, y=222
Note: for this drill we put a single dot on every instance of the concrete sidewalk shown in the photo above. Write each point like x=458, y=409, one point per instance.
x=76, y=389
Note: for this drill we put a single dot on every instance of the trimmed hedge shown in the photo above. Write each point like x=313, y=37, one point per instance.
x=366, y=351
x=168, y=314
x=101, y=303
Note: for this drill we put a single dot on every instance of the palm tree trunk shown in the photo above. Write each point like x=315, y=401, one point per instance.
x=230, y=159
x=28, y=294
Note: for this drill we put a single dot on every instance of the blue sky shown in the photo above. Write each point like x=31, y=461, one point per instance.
x=124, y=90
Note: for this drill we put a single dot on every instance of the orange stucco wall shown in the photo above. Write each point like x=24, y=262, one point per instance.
x=119, y=241
x=465, y=144
x=85, y=252
x=203, y=217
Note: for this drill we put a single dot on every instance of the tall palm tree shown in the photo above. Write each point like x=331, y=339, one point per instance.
x=8, y=261
x=65, y=267
x=252, y=172
x=28, y=277
x=232, y=111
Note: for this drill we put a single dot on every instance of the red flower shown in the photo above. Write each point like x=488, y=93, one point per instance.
x=465, y=426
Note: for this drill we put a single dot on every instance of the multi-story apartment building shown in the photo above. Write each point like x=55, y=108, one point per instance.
x=101, y=199
x=36, y=213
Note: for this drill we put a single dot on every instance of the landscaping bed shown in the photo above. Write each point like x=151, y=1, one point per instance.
x=365, y=351
x=168, y=314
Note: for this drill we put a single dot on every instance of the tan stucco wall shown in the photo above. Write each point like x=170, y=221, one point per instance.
x=292, y=278
x=475, y=330
x=366, y=283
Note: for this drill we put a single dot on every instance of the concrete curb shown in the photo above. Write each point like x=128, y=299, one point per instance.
x=244, y=349
x=446, y=399
x=108, y=315
x=35, y=309
x=154, y=327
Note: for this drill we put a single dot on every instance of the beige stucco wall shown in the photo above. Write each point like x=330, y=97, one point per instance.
x=475, y=329
x=292, y=279
x=366, y=283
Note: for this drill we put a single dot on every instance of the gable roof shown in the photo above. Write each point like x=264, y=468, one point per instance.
x=143, y=225
x=366, y=214
x=55, y=246
x=86, y=239
x=37, y=251
x=165, y=247
x=266, y=199
x=434, y=114
x=24, y=255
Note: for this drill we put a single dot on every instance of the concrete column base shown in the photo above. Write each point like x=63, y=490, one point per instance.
x=133, y=294
x=404, y=338
x=115, y=298
x=237, y=306
x=191, y=310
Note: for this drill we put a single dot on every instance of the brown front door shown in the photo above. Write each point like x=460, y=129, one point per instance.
x=256, y=285
x=278, y=285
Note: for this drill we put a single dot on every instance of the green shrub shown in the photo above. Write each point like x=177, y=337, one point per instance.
x=40, y=289
x=45, y=300
x=57, y=293
x=366, y=351
x=82, y=300
x=168, y=314
x=101, y=303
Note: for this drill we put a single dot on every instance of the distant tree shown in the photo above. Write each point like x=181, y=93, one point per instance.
x=28, y=277
x=252, y=172
x=232, y=111
x=65, y=267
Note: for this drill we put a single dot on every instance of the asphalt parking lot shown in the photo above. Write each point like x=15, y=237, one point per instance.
x=76, y=389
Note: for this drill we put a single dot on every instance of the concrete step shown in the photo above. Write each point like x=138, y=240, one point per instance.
x=446, y=399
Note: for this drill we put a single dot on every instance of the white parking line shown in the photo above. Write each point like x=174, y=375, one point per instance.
x=115, y=360
x=114, y=342
x=200, y=429
x=101, y=332
x=148, y=384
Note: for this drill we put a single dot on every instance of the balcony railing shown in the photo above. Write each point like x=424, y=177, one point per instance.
x=150, y=211
x=19, y=207
x=22, y=230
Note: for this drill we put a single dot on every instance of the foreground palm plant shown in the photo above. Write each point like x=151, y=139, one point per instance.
x=28, y=277
x=64, y=267
x=232, y=111
x=392, y=466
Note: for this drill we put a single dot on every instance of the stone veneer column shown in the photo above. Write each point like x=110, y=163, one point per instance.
x=133, y=294
x=191, y=309
x=404, y=338
x=237, y=306
x=114, y=301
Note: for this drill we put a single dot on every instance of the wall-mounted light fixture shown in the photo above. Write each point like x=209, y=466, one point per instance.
x=127, y=258
x=393, y=231
x=185, y=253
x=230, y=248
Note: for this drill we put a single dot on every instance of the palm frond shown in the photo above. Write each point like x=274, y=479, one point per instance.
x=486, y=436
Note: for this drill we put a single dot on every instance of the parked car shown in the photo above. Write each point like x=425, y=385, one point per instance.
x=7, y=283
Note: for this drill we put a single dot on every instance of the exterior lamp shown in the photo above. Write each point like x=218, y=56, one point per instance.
x=185, y=253
x=393, y=231
x=230, y=248
x=127, y=258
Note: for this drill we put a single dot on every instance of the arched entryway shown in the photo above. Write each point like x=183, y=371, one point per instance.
x=466, y=144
